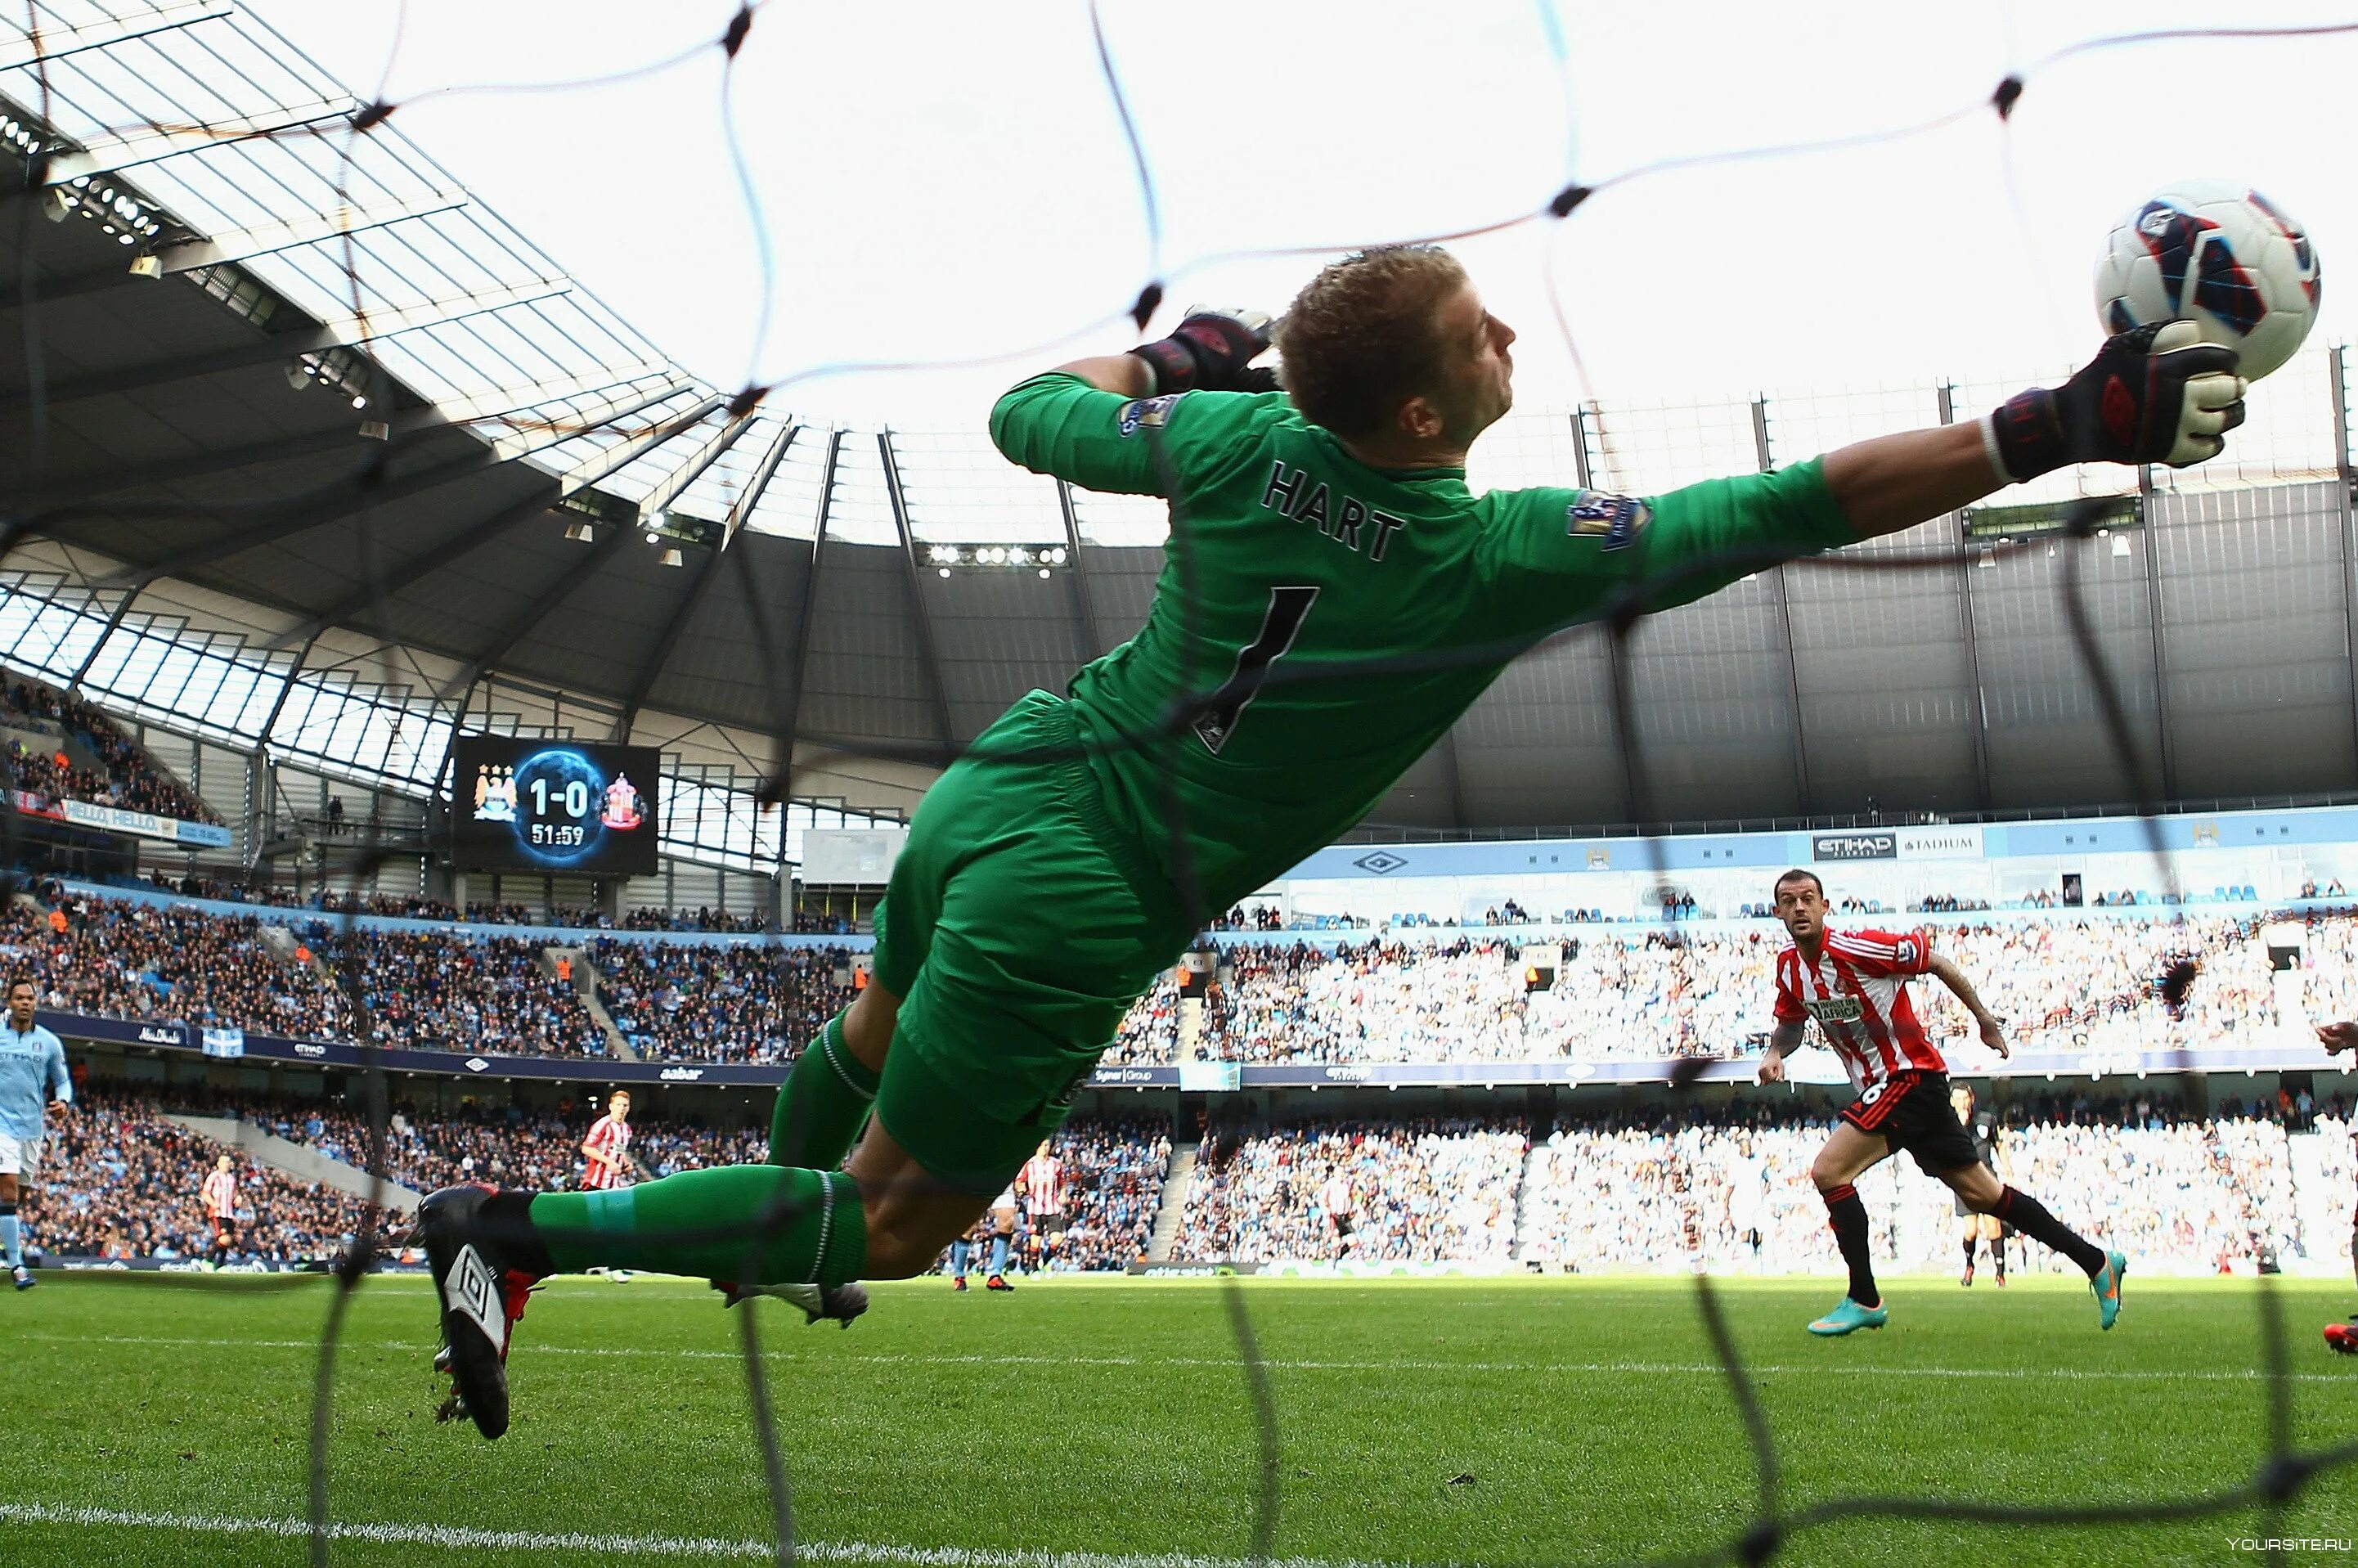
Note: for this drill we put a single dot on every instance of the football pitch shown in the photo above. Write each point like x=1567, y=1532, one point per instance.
x=1523, y=1420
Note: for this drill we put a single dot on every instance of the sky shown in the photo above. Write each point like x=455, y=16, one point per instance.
x=940, y=181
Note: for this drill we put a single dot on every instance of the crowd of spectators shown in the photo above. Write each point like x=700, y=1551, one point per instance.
x=1729, y=1191
x=119, y=959
x=125, y=775
x=2072, y=983
x=1724, y=1187
x=2069, y=984
x=740, y=1002
x=118, y=1181
x=1416, y=1190
x=432, y=991
x=2181, y=1195
x=1114, y=1169
x=1114, y=1172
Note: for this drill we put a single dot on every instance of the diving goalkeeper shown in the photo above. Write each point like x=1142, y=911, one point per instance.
x=1333, y=598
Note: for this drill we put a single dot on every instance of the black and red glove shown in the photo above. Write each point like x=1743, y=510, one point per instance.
x=1211, y=350
x=2152, y=394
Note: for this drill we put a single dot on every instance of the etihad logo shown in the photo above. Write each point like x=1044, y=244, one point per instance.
x=1854, y=847
x=1382, y=863
x=305, y=1048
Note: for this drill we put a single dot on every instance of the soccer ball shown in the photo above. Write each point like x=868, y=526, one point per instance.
x=2220, y=256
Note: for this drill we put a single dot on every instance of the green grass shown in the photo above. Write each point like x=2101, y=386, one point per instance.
x=1112, y=1417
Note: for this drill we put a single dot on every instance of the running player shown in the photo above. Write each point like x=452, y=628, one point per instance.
x=1341, y=1208
x=961, y=1254
x=1975, y=1225
x=2337, y=1038
x=1002, y=1237
x=1043, y=1192
x=1334, y=597
x=32, y=1069
x=606, y=1149
x=219, y=1194
x=1855, y=986
x=606, y=1156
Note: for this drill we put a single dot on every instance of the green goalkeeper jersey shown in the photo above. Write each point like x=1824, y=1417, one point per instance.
x=1319, y=623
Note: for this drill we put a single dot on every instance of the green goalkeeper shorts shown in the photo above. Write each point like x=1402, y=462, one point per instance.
x=1018, y=927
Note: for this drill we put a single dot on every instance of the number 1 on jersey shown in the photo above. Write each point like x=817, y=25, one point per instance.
x=1288, y=609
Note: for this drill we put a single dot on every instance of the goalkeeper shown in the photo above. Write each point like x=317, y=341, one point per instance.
x=1333, y=598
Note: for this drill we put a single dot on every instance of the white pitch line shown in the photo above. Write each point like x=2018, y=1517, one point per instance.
x=463, y=1538
x=1643, y=1369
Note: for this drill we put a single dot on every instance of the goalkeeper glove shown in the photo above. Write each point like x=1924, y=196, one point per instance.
x=1212, y=351
x=2152, y=394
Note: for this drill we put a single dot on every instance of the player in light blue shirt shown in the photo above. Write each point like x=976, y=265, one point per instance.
x=32, y=1068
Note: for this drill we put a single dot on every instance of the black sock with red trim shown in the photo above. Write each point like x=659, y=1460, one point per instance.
x=2028, y=1215
x=1848, y=1217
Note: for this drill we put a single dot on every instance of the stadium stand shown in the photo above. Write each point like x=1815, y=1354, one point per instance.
x=118, y=960
x=1426, y=1189
x=2059, y=981
x=738, y=1003
x=122, y=1179
x=2063, y=980
x=122, y=1182
x=1114, y=1172
x=125, y=774
x=492, y=994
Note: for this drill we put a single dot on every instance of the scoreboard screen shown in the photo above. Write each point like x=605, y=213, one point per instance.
x=522, y=805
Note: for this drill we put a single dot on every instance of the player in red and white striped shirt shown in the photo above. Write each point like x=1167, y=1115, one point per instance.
x=1855, y=986
x=607, y=1148
x=220, y=1197
x=1043, y=1190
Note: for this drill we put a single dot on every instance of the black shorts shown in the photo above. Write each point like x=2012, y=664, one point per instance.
x=1911, y=1111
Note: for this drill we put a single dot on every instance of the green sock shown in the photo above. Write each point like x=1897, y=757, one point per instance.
x=701, y=1222
x=822, y=1105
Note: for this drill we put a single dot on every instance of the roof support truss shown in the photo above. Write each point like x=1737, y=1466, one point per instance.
x=105, y=155
x=113, y=623
x=790, y=710
x=675, y=484
x=658, y=654
x=513, y=629
x=928, y=645
x=240, y=244
x=1084, y=610
x=528, y=436
x=513, y=399
x=288, y=346
x=420, y=567
x=23, y=48
x=2165, y=738
x=1979, y=716
x=1785, y=628
x=349, y=498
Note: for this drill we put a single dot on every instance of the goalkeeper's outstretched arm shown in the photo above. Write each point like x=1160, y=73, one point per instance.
x=2152, y=395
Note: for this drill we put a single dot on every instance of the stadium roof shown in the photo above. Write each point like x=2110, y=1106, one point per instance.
x=289, y=361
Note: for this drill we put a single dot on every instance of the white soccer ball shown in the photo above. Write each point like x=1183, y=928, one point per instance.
x=2220, y=256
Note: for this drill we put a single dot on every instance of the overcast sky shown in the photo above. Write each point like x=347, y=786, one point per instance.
x=945, y=180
